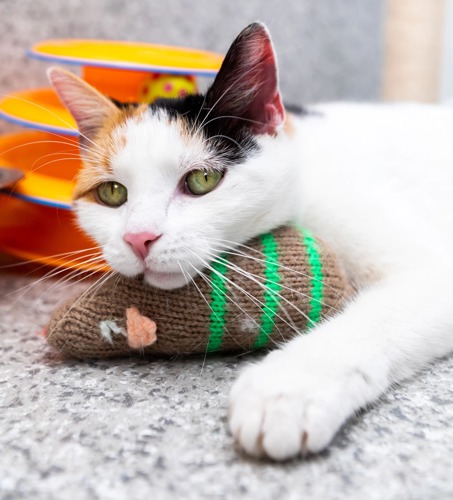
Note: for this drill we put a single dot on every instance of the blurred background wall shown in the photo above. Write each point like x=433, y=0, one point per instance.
x=327, y=49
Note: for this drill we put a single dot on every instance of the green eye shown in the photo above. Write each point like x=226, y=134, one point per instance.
x=200, y=182
x=112, y=194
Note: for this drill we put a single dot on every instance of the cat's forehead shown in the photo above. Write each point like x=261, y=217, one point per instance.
x=178, y=132
x=153, y=139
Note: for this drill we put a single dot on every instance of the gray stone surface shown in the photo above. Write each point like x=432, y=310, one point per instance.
x=329, y=49
x=142, y=428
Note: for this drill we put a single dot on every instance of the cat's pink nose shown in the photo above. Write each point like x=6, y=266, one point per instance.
x=141, y=242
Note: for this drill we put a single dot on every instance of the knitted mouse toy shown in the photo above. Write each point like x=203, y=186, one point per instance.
x=285, y=283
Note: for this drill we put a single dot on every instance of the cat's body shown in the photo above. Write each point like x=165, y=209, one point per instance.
x=376, y=182
x=377, y=185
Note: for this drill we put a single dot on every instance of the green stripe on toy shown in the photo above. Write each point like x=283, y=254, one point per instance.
x=272, y=290
x=286, y=282
x=315, y=262
x=218, y=305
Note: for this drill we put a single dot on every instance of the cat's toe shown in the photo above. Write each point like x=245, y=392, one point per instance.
x=282, y=429
x=265, y=427
x=246, y=426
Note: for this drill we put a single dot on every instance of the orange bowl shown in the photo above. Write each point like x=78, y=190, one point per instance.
x=46, y=235
x=43, y=231
x=50, y=163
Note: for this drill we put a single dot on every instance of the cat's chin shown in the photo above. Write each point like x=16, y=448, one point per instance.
x=165, y=280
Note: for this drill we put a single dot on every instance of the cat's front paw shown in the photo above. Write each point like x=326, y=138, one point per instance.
x=280, y=410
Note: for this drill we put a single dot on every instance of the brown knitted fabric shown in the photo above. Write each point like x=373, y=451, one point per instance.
x=296, y=279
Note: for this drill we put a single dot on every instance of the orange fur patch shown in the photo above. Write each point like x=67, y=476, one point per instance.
x=288, y=126
x=98, y=155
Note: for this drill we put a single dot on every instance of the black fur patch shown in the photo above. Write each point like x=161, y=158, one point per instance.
x=231, y=136
x=233, y=139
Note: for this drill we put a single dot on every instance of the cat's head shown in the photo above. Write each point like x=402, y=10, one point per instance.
x=166, y=187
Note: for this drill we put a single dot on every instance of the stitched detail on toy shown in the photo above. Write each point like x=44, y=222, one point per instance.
x=141, y=331
x=108, y=328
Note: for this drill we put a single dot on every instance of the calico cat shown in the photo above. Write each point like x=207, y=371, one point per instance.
x=167, y=187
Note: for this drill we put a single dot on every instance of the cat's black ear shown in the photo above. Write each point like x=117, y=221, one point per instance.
x=89, y=108
x=246, y=86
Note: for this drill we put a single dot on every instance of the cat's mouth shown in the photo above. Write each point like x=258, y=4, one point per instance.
x=167, y=280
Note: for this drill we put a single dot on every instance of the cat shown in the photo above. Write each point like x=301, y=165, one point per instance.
x=167, y=187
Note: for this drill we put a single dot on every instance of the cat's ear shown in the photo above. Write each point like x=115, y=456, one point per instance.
x=247, y=84
x=88, y=107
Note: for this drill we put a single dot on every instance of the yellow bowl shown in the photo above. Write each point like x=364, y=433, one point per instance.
x=39, y=109
x=129, y=55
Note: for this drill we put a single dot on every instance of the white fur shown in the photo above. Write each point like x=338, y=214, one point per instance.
x=377, y=185
x=375, y=182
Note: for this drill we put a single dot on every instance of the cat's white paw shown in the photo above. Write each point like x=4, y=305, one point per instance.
x=280, y=410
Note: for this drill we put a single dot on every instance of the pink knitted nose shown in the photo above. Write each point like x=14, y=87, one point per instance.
x=140, y=242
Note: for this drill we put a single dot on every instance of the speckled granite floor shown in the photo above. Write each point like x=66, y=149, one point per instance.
x=139, y=428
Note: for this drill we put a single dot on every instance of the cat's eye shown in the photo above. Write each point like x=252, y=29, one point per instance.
x=112, y=194
x=199, y=182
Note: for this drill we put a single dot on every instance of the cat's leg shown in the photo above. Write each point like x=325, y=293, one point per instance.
x=297, y=398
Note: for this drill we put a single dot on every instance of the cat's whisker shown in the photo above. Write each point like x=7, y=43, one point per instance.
x=224, y=93
x=208, y=266
x=220, y=136
x=260, y=282
x=189, y=278
x=59, y=284
x=290, y=289
x=55, y=115
x=233, y=117
x=50, y=162
x=69, y=283
x=47, y=110
x=33, y=143
x=54, y=256
x=69, y=272
x=91, y=289
x=232, y=248
x=76, y=271
x=210, y=283
x=53, y=273
x=253, y=299
x=205, y=278
x=74, y=278
x=198, y=114
x=187, y=275
x=66, y=154
x=92, y=296
x=69, y=263
x=63, y=155
x=73, y=283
